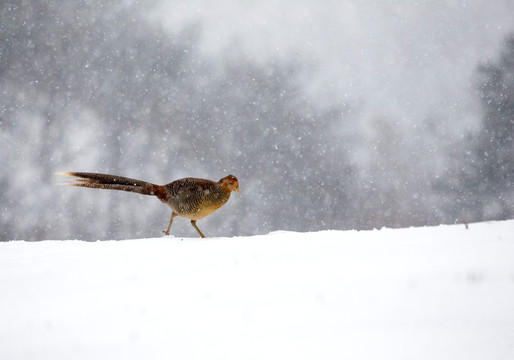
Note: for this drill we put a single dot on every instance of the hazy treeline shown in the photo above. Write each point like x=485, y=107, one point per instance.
x=95, y=86
x=481, y=177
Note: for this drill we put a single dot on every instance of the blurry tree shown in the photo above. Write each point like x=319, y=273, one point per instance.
x=494, y=165
x=385, y=184
x=484, y=180
x=395, y=184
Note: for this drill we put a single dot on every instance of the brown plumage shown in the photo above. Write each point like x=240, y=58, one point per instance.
x=191, y=198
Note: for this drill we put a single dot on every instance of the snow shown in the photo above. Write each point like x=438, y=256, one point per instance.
x=443, y=292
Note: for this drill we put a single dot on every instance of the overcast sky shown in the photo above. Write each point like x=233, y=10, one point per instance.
x=400, y=60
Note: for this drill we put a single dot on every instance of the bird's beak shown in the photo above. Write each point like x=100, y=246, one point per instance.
x=237, y=190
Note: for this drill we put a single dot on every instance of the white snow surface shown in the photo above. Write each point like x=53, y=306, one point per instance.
x=443, y=292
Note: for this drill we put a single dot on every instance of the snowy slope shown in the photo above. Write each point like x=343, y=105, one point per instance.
x=421, y=293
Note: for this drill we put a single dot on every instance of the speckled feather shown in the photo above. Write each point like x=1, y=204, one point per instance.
x=195, y=198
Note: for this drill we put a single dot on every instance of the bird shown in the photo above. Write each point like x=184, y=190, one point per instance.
x=191, y=198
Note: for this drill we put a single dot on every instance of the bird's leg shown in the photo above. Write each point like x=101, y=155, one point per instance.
x=193, y=222
x=167, y=232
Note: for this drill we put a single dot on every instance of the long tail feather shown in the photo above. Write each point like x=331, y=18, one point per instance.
x=111, y=182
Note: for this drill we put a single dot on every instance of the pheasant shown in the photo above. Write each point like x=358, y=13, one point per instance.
x=191, y=198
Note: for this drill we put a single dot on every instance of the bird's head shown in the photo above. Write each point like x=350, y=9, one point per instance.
x=230, y=183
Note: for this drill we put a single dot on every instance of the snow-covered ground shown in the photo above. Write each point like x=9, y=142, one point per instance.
x=442, y=292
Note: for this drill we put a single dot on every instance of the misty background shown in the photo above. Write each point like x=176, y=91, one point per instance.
x=333, y=115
